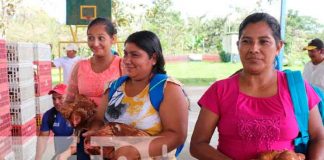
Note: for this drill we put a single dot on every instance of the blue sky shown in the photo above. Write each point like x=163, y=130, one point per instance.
x=210, y=8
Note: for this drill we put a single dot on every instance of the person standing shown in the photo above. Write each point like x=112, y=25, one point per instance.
x=53, y=121
x=67, y=62
x=314, y=70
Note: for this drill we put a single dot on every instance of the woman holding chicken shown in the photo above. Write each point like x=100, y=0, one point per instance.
x=252, y=109
x=131, y=103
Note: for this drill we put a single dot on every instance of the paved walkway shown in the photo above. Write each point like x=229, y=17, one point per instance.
x=194, y=94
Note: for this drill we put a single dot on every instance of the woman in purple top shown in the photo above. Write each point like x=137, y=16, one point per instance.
x=252, y=109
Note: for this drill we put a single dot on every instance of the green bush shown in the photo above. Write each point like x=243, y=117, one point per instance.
x=225, y=57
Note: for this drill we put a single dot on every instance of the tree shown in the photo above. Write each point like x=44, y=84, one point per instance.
x=32, y=24
x=7, y=11
x=122, y=19
x=167, y=24
x=206, y=34
x=299, y=30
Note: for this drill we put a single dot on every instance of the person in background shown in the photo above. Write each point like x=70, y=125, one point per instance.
x=314, y=70
x=53, y=121
x=67, y=62
x=252, y=109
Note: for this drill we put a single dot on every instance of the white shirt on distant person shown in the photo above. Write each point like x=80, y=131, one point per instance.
x=67, y=64
x=314, y=74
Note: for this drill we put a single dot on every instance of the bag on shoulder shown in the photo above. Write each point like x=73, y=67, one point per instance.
x=300, y=102
x=156, y=89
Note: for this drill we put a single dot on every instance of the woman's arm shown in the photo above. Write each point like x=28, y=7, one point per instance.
x=67, y=153
x=73, y=89
x=41, y=144
x=103, y=105
x=316, y=130
x=204, y=129
x=174, y=117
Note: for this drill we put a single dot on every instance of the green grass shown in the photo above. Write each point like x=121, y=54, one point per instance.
x=56, y=77
x=300, y=68
x=201, y=73
x=194, y=73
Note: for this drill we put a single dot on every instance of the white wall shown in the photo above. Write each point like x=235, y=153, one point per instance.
x=229, y=43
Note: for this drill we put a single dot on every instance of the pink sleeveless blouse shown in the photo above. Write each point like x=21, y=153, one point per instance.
x=92, y=84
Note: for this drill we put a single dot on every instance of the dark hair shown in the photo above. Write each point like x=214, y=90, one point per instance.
x=110, y=28
x=150, y=43
x=265, y=17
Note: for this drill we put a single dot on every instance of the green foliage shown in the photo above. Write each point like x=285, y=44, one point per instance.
x=121, y=17
x=206, y=34
x=34, y=25
x=202, y=35
x=214, y=30
x=84, y=51
x=7, y=11
x=167, y=24
x=299, y=31
x=225, y=57
x=178, y=35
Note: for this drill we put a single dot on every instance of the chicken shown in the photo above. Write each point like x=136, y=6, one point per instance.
x=81, y=113
x=268, y=155
x=281, y=155
x=110, y=130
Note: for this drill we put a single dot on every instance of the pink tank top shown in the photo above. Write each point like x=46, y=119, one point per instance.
x=250, y=125
x=92, y=84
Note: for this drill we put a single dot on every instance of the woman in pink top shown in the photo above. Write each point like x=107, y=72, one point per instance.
x=90, y=76
x=252, y=110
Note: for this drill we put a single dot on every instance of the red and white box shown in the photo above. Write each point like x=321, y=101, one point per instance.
x=21, y=114
x=21, y=92
x=5, y=120
x=20, y=72
x=4, y=95
x=3, y=51
x=43, y=68
x=22, y=133
x=26, y=150
x=3, y=73
x=43, y=103
x=42, y=52
x=19, y=52
x=9, y=156
x=43, y=84
x=5, y=142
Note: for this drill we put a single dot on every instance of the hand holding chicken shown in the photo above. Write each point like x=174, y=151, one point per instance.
x=281, y=155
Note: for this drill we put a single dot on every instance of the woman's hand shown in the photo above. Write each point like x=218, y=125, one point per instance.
x=129, y=152
x=64, y=155
x=88, y=148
